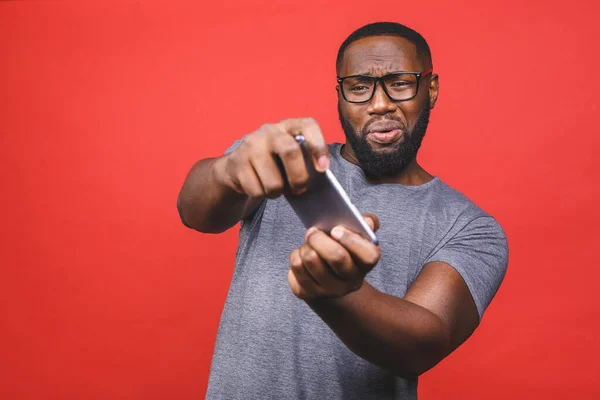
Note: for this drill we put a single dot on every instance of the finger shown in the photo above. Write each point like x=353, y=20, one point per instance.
x=301, y=283
x=334, y=255
x=268, y=174
x=373, y=221
x=309, y=128
x=289, y=152
x=363, y=252
x=249, y=181
x=320, y=271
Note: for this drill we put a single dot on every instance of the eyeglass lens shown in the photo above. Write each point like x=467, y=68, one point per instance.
x=399, y=87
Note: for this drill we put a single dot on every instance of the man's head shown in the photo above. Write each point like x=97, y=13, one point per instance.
x=385, y=120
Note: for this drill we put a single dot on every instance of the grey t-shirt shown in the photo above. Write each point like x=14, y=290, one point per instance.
x=271, y=345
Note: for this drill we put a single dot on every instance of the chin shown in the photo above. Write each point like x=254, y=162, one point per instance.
x=385, y=148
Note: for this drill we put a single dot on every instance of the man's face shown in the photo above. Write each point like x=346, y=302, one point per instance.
x=385, y=135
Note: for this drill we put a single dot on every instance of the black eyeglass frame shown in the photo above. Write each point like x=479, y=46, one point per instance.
x=380, y=80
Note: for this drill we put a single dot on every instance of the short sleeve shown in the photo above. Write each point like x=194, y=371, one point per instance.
x=479, y=253
x=234, y=146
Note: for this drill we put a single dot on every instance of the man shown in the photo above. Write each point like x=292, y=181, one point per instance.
x=317, y=316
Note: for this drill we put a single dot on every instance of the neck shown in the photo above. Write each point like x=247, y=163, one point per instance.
x=412, y=175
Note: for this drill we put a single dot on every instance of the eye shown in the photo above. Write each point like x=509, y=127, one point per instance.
x=358, y=88
x=400, y=84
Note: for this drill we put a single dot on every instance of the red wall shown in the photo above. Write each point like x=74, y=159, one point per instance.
x=103, y=108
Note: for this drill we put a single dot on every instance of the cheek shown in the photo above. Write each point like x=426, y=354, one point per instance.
x=412, y=109
x=355, y=115
x=410, y=113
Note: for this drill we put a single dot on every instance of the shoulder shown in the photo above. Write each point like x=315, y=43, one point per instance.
x=449, y=197
x=457, y=216
x=456, y=204
x=334, y=152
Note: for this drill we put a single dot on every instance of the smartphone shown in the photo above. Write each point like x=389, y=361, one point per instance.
x=325, y=204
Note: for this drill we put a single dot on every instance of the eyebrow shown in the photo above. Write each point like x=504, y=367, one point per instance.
x=370, y=74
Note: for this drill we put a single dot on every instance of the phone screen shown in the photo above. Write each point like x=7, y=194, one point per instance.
x=325, y=204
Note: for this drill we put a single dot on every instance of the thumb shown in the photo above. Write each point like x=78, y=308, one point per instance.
x=373, y=221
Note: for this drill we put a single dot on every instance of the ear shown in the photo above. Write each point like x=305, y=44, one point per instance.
x=434, y=87
x=337, y=89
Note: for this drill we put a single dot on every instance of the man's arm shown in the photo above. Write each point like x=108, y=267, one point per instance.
x=407, y=336
x=207, y=203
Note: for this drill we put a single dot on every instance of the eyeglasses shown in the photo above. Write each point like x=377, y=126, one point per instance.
x=399, y=86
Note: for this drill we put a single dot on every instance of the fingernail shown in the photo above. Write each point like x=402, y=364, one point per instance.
x=309, y=232
x=299, y=191
x=323, y=162
x=337, y=232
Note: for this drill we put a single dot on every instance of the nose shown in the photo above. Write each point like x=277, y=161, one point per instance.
x=380, y=103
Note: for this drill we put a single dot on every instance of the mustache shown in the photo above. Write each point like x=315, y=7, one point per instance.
x=384, y=118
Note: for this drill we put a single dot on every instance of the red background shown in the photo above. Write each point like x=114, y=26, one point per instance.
x=103, y=109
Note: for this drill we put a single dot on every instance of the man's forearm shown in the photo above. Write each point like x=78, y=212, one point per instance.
x=205, y=203
x=387, y=331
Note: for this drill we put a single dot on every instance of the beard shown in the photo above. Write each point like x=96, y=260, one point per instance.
x=390, y=162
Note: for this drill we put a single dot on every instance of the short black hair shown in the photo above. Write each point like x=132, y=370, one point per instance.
x=387, y=28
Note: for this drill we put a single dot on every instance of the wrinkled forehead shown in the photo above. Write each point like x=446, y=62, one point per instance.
x=380, y=55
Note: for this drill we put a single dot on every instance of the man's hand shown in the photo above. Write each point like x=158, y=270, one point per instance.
x=252, y=168
x=332, y=266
